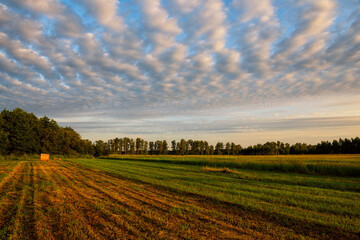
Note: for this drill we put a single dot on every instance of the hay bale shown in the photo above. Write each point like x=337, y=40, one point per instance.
x=44, y=157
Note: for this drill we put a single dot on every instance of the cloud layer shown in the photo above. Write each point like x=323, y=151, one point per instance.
x=148, y=59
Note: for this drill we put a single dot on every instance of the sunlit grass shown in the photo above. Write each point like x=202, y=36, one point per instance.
x=322, y=199
x=336, y=165
x=166, y=197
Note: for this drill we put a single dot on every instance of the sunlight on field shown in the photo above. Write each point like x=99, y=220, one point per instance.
x=336, y=165
x=165, y=197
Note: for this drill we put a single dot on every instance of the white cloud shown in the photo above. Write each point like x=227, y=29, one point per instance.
x=185, y=6
x=105, y=12
x=22, y=27
x=24, y=55
x=159, y=27
x=256, y=9
x=314, y=20
x=161, y=58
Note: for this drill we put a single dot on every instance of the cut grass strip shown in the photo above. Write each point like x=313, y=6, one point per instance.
x=10, y=193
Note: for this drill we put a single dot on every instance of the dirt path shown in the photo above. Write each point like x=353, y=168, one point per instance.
x=62, y=200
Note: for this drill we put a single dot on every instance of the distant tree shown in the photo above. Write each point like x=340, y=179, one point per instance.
x=233, y=149
x=87, y=147
x=121, y=145
x=116, y=145
x=202, y=147
x=146, y=149
x=356, y=145
x=152, y=147
x=178, y=148
x=101, y=148
x=165, y=147
x=227, y=148
x=183, y=147
x=173, y=146
x=126, y=145
x=159, y=147
x=111, y=145
x=336, y=147
x=238, y=149
x=188, y=146
x=138, y=145
x=218, y=148
x=142, y=146
x=196, y=147
x=132, y=146
x=346, y=146
x=287, y=148
x=211, y=150
x=207, y=148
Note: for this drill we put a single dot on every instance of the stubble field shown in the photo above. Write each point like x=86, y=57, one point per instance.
x=144, y=197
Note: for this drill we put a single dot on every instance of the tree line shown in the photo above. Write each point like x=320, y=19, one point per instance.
x=24, y=133
x=200, y=147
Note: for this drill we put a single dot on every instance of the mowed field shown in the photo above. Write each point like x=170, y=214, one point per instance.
x=181, y=197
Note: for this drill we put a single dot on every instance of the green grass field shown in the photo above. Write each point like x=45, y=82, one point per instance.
x=336, y=165
x=319, y=190
x=181, y=197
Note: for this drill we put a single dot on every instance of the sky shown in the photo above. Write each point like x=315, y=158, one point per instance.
x=244, y=71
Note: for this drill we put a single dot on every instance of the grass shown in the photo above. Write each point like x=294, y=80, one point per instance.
x=168, y=197
x=319, y=198
x=335, y=165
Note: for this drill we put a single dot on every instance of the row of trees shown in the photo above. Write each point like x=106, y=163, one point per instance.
x=22, y=132
x=183, y=147
x=196, y=147
x=341, y=146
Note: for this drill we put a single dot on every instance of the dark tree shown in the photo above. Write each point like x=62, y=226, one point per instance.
x=218, y=148
x=165, y=147
x=173, y=147
x=132, y=146
x=138, y=145
x=22, y=129
x=207, y=148
x=152, y=147
x=227, y=148
x=4, y=138
x=146, y=149
x=182, y=146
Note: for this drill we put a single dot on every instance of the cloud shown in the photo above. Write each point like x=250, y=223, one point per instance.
x=313, y=21
x=17, y=26
x=154, y=59
x=105, y=12
x=256, y=34
x=24, y=55
x=160, y=28
x=204, y=19
x=260, y=9
x=51, y=7
x=7, y=65
x=67, y=24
